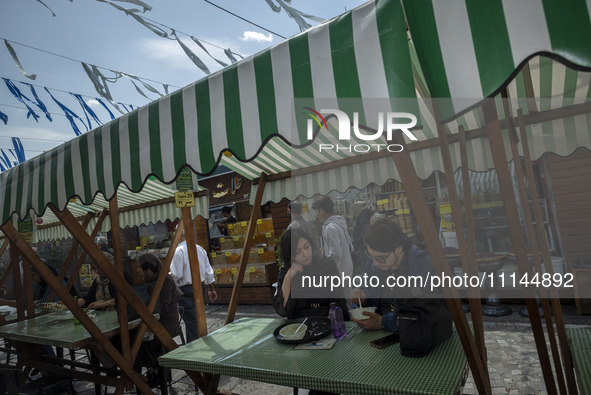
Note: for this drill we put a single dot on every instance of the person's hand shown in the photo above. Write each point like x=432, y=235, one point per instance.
x=357, y=294
x=373, y=322
x=213, y=295
x=296, y=268
x=101, y=305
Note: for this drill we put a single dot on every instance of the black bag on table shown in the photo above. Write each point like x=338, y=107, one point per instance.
x=422, y=324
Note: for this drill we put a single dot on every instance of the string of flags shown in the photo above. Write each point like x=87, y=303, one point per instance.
x=18, y=155
x=296, y=15
x=37, y=105
x=100, y=81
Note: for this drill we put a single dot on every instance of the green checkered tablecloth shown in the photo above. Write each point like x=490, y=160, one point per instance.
x=247, y=349
x=58, y=329
x=580, y=346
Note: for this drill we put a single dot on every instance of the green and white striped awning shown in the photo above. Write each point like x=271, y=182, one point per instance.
x=237, y=108
x=153, y=204
x=555, y=86
x=468, y=49
x=360, y=58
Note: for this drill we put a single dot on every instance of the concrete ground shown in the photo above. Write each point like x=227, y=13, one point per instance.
x=513, y=362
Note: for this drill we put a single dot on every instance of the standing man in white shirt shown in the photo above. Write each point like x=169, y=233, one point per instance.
x=180, y=271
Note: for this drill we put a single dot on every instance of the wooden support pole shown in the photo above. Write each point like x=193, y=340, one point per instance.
x=122, y=303
x=3, y=249
x=195, y=376
x=513, y=140
x=468, y=260
x=124, y=290
x=70, y=258
x=28, y=283
x=417, y=200
x=191, y=239
x=497, y=146
x=471, y=263
x=254, y=215
x=83, y=254
x=16, y=280
x=542, y=237
x=6, y=273
x=69, y=301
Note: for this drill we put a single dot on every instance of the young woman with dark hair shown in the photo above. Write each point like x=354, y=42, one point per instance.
x=302, y=258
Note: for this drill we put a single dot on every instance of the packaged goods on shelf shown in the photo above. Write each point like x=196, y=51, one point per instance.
x=235, y=229
x=267, y=256
x=253, y=257
x=233, y=258
x=238, y=242
x=218, y=259
x=224, y=275
x=265, y=225
x=226, y=243
x=257, y=274
x=259, y=238
x=254, y=274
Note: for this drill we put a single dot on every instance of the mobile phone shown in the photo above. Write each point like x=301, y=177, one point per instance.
x=386, y=341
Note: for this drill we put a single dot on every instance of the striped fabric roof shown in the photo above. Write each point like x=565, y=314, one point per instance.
x=361, y=58
x=469, y=49
x=155, y=203
x=555, y=87
x=237, y=108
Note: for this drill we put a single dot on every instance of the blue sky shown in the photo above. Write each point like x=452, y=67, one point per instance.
x=97, y=33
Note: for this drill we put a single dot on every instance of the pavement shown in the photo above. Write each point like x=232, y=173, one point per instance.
x=513, y=362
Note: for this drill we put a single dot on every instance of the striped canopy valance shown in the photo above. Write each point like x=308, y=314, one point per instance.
x=153, y=204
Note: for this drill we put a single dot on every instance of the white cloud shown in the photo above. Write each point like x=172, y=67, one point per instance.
x=92, y=103
x=256, y=36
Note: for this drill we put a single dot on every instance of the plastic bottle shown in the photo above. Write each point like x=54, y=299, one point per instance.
x=337, y=321
x=76, y=320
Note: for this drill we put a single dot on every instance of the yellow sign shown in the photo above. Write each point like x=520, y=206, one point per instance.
x=234, y=270
x=403, y=211
x=228, y=253
x=218, y=271
x=230, y=226
x=244, y=224
x=213, y=254
x=184, y=199
x=236, y=238
x=268, y=234
x=222, y=239
x=261, y=250
x=252, y=269
x=446, y=217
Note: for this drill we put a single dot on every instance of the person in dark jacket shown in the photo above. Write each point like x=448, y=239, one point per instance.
x=101, y=295
x=148, y=270
x=362, y=223
x=391, y=254
x=301, y=258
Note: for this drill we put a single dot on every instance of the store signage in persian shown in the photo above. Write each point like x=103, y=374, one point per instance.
x=184, y=199
x=25, y=228
x=227, y=188
x=186, y=181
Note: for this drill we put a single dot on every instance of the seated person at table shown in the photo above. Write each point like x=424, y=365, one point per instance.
x=101, y=295
x=41, y=290
x=392, y=255
x=301, y=258
x=148, y=270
